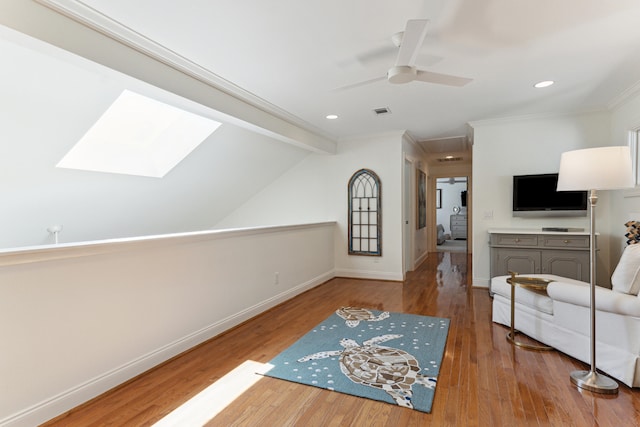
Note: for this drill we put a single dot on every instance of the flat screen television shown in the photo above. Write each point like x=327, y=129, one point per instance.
x=536, y=195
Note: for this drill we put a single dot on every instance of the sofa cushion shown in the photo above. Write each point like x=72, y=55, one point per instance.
x=606, y=299
x=626, y=276
x=535, y=300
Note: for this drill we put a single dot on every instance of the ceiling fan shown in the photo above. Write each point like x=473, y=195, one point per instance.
x=409, y=43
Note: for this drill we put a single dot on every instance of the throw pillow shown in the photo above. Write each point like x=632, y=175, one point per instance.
x=633, y=232
x=626, y=276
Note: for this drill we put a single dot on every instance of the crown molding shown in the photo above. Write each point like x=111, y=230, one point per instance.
x=410, y=139
x=623, y=97
x=96, y=20
x=531, y=117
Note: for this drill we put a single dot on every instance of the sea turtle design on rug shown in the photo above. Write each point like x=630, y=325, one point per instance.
x=390, y=369
x=354, y=315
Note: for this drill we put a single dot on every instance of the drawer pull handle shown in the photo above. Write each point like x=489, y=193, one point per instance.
x=566, y=242
x=517, y=240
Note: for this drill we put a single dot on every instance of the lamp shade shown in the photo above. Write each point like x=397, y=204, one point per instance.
x=602, y=168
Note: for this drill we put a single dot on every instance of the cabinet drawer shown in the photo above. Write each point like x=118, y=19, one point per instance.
x=458, y=222
x=565, y=242
x=521, y=261
x=514, y=240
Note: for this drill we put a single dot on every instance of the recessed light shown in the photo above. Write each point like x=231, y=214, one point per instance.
x=545, y=83
x=332, y=116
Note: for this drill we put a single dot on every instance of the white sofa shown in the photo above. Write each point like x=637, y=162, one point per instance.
x=561, y=318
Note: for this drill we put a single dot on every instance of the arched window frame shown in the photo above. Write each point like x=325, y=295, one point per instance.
x=365, y=213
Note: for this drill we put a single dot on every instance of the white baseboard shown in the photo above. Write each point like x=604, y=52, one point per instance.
x=420, y=260
x=69, y=399
x=372, y=275
x=480, y=283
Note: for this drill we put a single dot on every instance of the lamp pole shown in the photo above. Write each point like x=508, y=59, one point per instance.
x=591, y=380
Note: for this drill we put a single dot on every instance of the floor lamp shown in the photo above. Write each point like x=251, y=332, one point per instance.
x=603, y=168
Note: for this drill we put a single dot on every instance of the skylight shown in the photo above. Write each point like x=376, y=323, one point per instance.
x=139, y=136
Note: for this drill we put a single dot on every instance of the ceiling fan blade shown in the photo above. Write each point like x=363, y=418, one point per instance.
x=362, y=83
x=412, y=39
x=380, y=54
x=442, y=79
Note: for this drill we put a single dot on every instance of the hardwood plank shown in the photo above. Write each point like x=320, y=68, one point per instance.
x=483, y=381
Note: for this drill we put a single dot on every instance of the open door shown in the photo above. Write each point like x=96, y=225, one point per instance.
x=452, y=214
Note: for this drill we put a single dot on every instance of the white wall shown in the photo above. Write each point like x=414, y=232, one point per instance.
x=382, y=154
x=51, y=97
x=625, y=205
x=76, y=321
x=225, y=170
x=316, y=190
x=503, y=148
x=299, y=195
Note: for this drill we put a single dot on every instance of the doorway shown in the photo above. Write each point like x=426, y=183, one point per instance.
x=452, y=219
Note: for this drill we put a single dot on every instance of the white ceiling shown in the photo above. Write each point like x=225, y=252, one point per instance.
x=290, y=56
x=297, y=55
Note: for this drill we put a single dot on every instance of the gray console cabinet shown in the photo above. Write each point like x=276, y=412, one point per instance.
x=458, y=226
x=559, y=253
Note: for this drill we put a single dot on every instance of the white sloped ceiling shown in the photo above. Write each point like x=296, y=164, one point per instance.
x=48, y=102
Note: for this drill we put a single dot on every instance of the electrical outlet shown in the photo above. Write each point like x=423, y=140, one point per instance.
x=276, y=280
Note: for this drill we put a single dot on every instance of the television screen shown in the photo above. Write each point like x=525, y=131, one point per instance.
x=536, y=194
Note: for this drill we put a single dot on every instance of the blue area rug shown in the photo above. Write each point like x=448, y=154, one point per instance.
x=390, y=357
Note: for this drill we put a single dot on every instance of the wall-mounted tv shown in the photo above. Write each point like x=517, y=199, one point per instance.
x=536, y=195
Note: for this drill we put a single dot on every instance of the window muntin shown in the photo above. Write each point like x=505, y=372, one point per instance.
x=365, y=236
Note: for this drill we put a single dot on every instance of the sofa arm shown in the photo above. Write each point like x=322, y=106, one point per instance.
x=606, y=299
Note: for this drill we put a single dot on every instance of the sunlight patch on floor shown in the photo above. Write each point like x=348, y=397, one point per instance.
x=201, y=408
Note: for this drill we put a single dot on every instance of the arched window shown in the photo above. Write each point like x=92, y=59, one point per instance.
x=365, y=226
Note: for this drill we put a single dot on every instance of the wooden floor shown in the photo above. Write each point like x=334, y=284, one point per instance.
x=483, y=381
